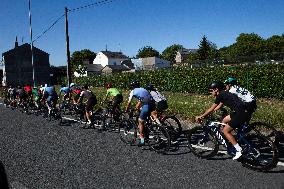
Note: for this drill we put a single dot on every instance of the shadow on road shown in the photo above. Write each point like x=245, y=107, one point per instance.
x=3, y=177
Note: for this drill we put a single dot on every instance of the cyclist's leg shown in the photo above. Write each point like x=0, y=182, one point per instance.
x=145, y=112
x=116, y=103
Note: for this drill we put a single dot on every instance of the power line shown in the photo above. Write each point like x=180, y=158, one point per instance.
x=49, y=28
x=99, y=3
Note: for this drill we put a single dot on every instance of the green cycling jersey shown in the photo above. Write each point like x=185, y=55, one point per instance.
x=112, y=92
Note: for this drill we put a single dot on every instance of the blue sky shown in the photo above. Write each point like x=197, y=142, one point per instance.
x=129, y=25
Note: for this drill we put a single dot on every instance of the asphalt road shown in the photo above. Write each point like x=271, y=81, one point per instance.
x=35, y=153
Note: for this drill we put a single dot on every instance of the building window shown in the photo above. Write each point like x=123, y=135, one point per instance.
x=114, y=63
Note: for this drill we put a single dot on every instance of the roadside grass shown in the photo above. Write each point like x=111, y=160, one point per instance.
x=187, y=106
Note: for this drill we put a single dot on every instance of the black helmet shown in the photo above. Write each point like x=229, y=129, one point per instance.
x=231, y=80
x=216, y=85
x=134, y=84
x=150, y=87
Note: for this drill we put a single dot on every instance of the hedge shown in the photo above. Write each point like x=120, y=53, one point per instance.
x=262, y=80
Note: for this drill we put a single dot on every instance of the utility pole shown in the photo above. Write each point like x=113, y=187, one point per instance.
x=67, y=49
x=31, y=36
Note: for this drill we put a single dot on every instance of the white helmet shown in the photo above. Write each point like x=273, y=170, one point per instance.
x=72, y=84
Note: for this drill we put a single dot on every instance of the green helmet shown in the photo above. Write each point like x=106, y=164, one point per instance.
x=231, y=80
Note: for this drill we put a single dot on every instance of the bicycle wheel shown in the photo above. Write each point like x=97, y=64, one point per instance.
x=202, y=142
x=266, y=130
x=173, y=126
x=128, y=132
x=158, y=138
x=259, y=153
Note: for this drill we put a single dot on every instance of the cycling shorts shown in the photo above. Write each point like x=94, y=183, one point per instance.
x=91, y=103
x=161, y=106
x=239, y=118
x=146, y=111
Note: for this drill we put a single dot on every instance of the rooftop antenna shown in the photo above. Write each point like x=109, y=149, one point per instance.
x=106, y=47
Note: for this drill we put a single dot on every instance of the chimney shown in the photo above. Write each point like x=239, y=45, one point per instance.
x=16, y=42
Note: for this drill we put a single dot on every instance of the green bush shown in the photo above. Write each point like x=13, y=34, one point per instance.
x=263, y=80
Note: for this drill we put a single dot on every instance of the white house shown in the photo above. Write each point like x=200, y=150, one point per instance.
x=108, y=58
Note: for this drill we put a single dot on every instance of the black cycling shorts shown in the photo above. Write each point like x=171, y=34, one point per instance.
x=91, y=103
x=239, y=118
x=162, y=105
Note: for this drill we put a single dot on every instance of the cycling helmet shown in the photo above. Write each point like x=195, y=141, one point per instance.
x=108, y=85
x=134, y=84
x=231, y=80
x=216, y=85
x=150, y=87
x=72, y=84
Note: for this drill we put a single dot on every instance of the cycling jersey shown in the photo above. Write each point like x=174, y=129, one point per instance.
x=28, y=89
x=141, y=94
x=113, y=92
x=65, y=90
x=157, y=96
x=239, y=115
x=242, y=93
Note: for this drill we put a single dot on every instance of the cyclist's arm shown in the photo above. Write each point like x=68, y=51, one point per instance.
x=207, y=112
x=218, y=107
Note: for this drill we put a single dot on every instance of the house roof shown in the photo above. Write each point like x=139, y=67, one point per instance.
x=23, y=47
x=128, y=63
x=94, y=67
x=117, y=67
x=118, y=55
x=187, y=51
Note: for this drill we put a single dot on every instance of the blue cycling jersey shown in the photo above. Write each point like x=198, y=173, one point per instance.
x=50, y=90
x=141, y=94
x=65, y=90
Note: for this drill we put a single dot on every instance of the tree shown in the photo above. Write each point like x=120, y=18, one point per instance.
x=78, y=57
x=147, y=51
x=204, y=49
x=170, y=52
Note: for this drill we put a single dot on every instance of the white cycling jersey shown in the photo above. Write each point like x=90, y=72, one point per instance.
x=242, y=93
x=157, y=96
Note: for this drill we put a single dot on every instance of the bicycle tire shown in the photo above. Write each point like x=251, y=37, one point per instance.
x=173, y=126
x=261, y=154
x=158, y=138
x=202, y=142
x=128, y=132
x=265, y=129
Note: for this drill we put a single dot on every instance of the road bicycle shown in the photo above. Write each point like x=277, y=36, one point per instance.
x=259, y=152
x=156, y=136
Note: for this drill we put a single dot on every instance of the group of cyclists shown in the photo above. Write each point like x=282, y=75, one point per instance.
x=149, y=102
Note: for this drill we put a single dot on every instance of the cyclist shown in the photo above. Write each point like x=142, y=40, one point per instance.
x=50, y=97
x=22, y=95
x=160, y=101
x=76, y=91
x=12, y=93
x=37, y=96
x=236, y=119
x=145, y=102
x=28, y=90
x=243, y=94
x=116, y=98
x=66, y=91
x=90, y=103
